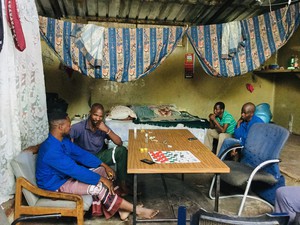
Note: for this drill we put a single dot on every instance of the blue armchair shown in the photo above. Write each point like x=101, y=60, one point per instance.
x=258, y=164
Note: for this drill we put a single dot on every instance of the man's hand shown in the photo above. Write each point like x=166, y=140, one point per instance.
x=212, y=117
x=111, y=175
x=109, y=184
x=101, y=126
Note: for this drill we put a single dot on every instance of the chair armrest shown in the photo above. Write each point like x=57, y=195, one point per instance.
x=260, y=166
x=223, y=155
x=24, y=183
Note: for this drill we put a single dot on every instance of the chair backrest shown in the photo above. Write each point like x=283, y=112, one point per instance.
x=264, y=142
x=23, y=165
x=202, y=217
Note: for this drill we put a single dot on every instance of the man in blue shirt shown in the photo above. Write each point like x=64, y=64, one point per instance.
x=64, y=167
x=242, y=128
x=90, y=134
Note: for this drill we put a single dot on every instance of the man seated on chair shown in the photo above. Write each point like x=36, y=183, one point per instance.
x=287, y=200
x=222, y=126
x=65, y=167
x=90, y=134
x=242, y=128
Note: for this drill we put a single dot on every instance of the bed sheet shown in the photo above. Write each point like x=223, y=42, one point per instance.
x=121, y=128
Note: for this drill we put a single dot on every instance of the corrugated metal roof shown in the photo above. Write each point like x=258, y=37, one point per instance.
x=158, y=12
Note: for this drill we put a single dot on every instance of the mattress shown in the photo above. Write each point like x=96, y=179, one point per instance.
x=122, y=127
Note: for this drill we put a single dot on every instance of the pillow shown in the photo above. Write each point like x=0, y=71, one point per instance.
x=121, y=112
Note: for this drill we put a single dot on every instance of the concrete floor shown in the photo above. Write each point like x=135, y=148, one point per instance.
x=191, y=193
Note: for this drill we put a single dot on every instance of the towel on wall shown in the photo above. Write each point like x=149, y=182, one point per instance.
x=232, y=39
x=90, y=41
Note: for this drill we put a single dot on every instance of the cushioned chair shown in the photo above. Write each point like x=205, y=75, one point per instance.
x=201, y=217
x=41, y=201
x=259, y=163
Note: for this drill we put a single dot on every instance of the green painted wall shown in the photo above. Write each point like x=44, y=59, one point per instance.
x=165, y=85
x=287, y=94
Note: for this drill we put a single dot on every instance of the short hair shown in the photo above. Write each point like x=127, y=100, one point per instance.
x=97, y=106
x=220, y=104
x=55, y=116
x=250, y=106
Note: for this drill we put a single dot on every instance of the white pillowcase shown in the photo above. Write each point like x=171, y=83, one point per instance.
x=121, y=112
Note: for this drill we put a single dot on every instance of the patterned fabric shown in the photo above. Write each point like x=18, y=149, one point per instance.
x=15, y=24
x=264, y=35
x=128, y=54
x=23, y=118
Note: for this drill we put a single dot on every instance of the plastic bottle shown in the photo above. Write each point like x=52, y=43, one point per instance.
x=292, y=61
x=296, y=62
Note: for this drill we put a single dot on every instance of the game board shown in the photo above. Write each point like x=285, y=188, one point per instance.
x=173, y=157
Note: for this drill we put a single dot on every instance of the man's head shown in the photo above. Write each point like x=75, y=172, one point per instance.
x=96, y=113
x=59, y=122
x=219, y=108
x=247, y=111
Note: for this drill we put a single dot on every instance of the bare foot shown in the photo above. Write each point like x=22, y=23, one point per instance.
x=125, y=214
x=145, y=213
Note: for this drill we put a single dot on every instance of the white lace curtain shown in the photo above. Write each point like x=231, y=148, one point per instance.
x=23, y=118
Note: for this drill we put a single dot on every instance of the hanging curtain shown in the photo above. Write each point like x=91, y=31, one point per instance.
x=127, y=55
x=260, y=37
x=23, y=118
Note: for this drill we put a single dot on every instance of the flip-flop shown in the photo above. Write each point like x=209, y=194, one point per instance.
x=127, y=218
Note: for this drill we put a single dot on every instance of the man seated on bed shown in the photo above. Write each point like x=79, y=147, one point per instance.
x=222, y=126
x=90, y=134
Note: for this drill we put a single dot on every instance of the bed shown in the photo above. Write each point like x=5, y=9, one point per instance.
x=123, y=118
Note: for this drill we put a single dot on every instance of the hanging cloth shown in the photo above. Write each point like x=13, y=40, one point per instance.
x=128, y=53
x=90, y=43
x=1, y=27
x=264, y=35
x=232, y=39
x=15, y=24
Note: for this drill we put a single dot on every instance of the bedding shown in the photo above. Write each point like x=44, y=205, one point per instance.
x=121, y=128
x=166, y=116
x=156, y=117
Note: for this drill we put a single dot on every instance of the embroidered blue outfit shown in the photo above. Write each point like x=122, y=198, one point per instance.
x=240, y=134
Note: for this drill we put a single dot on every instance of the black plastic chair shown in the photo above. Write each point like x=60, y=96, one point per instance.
x=202, y=217
x=4, y=220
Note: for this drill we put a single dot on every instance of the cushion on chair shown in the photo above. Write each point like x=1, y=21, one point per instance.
x=23, y=165
x=44, y=202
x=239, y=174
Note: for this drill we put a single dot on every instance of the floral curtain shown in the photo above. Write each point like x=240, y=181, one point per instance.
x=259, y=38
x=127, y=54
x=23, y=118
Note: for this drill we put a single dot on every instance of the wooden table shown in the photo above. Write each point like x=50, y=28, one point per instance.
x=170, y=140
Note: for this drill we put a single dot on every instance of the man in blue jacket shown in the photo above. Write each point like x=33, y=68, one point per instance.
x=65, y=167
x=242, y=128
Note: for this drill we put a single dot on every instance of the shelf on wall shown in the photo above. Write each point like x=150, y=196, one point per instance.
x=277, y=72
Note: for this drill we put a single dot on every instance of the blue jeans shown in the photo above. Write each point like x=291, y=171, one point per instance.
x=229, y=142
